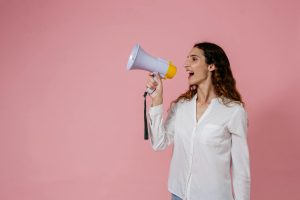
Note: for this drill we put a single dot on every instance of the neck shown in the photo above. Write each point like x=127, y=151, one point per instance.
x=205, y=92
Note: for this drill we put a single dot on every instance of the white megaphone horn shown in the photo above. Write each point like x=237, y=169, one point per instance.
x=140, y=59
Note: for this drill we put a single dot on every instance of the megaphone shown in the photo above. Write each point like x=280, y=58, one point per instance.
x=140, y=59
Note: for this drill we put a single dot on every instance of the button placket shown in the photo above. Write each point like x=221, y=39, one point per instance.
x=191, y=153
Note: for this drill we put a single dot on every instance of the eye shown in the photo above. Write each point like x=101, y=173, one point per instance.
x=194, y=59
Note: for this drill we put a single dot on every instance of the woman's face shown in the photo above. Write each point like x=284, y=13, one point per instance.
x=197, y=70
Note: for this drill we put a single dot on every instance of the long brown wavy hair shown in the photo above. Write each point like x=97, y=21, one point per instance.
x=222, y=78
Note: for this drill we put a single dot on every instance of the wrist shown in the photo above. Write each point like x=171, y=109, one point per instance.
x=157, y=101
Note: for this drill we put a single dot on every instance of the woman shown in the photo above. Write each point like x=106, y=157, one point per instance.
x=208, y=127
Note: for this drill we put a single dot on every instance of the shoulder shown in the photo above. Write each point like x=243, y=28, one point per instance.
x=183, y=102
x=183, y=105
x=230, y=104
x=231, y=108
x=239, y=116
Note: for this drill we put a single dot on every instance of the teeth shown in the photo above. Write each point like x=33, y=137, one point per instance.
x=190, y=73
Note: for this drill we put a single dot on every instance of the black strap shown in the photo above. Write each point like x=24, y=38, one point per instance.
x=145, y=117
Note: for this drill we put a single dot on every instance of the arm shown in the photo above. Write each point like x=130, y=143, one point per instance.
x=161, y=133
x=240, y=155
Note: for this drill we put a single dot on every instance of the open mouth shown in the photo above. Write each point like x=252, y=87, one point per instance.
x=190, y=73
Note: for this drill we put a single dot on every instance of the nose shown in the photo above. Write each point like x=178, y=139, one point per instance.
x=186, y=63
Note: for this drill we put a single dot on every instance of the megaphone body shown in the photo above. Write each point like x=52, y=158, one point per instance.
x=141, y=60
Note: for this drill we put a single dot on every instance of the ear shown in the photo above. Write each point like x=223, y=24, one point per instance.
x=211, y=67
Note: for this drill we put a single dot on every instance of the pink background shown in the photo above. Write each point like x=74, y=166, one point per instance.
x=71, y=123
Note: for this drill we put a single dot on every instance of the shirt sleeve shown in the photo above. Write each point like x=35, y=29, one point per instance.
x=238, y=127
x=161, y=132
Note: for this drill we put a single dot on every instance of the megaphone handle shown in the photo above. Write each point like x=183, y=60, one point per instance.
x=150, y=90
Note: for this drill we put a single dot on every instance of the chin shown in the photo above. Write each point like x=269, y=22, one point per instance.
x=191, y=82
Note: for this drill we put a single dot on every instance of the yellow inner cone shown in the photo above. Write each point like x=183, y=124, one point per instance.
x=171, y=71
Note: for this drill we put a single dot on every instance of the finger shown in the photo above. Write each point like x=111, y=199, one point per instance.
x=158, y=77
x=151, y=85
x=153, y=80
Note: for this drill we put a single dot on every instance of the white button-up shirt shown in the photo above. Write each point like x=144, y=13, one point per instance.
x=204, y=151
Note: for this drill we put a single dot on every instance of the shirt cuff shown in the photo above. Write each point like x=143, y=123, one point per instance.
x=156, y=110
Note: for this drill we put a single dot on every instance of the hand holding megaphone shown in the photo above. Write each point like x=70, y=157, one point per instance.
x=155, y=86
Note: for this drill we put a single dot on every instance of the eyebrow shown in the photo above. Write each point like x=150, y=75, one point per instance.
x=193, y=55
